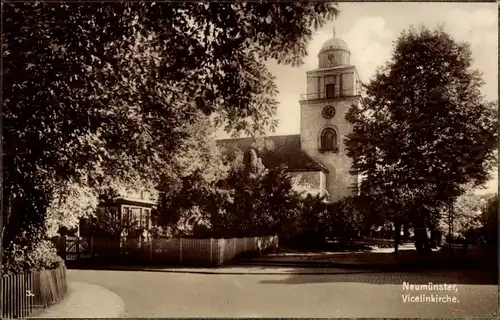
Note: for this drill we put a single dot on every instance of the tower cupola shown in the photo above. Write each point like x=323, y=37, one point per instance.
x=334, y=53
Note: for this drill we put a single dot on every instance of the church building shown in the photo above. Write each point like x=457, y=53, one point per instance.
x=318, y=153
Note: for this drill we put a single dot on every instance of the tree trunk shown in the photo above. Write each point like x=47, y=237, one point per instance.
x=422, y=240
x=7, y=213
x=397, y=236
x=406, y=230
x=434, y=238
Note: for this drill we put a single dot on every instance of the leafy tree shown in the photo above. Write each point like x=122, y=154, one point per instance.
x=345, y=219
x=489, y=219
x=254, y=165
x=310, y=227
x=250, y=201
x=280, y=200
x=68, y=204
x=423, y=130
x=258, y=200
x=30, y=250
x=97, y=90
x=199, y=167
x=467, y=212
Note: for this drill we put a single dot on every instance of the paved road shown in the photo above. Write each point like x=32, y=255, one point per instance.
x=156, y=294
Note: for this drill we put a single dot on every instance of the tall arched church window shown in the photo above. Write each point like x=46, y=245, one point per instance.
x=329, y=140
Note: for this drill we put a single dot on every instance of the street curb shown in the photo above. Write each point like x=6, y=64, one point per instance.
x=407, y=266
x=315, y=270
x=312, y=266
x=231, y=273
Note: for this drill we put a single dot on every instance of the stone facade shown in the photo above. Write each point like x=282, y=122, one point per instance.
x=338, y=180
x=317, y=155
x=334, y=70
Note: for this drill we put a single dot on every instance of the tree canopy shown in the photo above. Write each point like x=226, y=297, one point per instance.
x=423, y=130
x=489, y=220
x=95, y=92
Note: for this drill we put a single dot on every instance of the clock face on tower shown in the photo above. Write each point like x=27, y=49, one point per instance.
x=328, y=112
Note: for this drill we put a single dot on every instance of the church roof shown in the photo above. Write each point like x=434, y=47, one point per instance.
x=334, y=43
x=284, y=149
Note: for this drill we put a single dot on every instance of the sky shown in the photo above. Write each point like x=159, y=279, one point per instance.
x=370, y=30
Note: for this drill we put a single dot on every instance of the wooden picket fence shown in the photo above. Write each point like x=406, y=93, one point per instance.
x=23, y=294
x=214, y=252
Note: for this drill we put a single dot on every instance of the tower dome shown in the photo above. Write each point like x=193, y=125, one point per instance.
x=334, y=52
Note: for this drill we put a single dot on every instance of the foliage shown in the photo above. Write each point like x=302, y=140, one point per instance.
x=199, y=169
x=344, y=219
x=186, y=58
x=161, y=232
x=192, y=221
x=263, y=144
x=259, y=201
x=255, y=167
x=423, y=131
x=467, y=212
x=245, y=200
x=110, y=222
x=489, y=219
x=309, y=229
x=70, y=203
x=95, y=90
x=30, y=251
x=95, y=119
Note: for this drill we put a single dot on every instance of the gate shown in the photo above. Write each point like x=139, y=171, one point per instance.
x=76, y=248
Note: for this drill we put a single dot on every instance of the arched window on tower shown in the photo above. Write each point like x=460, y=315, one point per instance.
x=329, y=140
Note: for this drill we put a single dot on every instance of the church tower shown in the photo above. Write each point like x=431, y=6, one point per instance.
x=331, y=89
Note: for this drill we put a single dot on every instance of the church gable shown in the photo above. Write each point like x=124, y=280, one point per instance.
x=275, y=151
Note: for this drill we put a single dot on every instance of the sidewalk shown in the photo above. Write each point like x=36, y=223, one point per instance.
x=85, y=300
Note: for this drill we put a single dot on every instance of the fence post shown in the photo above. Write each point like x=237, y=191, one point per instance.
x=180, y=250
x=77, y=245
x=151, y=249
x=211, y=260
x=221, y=251
x=91, y=246
x=63, y=247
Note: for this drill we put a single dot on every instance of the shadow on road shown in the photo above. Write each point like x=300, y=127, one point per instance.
x=476, y=266
x=465, y=277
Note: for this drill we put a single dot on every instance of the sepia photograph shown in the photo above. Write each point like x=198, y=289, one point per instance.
x=249, y=159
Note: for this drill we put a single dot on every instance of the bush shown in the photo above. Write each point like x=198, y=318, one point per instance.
x=255, y=205
x=344, y=219
x=309, y=228
x=29, y=252
x=455, y=238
